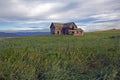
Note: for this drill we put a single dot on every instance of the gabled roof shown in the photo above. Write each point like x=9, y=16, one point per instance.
x=68, y=24
x=60, y=25
x=57, y=25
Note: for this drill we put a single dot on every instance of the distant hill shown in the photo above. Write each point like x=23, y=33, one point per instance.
x=31, y=33
x=15, y=34
x=3, y=34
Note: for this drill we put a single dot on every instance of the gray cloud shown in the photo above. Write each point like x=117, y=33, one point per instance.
x=102, y=12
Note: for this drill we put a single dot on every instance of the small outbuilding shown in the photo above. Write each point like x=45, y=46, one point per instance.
x=66, y=29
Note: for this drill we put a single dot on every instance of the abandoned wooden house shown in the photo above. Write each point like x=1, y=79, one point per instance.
x=66, y=28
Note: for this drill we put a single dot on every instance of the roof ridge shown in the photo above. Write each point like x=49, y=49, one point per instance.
x=57, y=23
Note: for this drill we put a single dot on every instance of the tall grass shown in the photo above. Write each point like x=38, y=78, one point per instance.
x=94, y=56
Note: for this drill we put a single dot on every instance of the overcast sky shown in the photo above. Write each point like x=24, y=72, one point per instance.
x=37, y=15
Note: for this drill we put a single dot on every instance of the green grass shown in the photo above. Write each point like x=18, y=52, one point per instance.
x=94, y=56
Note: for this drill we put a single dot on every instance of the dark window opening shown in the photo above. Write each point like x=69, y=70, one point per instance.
x=72, y=27
x=72, y=32
x=58, y=32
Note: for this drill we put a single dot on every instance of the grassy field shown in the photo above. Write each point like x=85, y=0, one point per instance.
x=94, y=56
